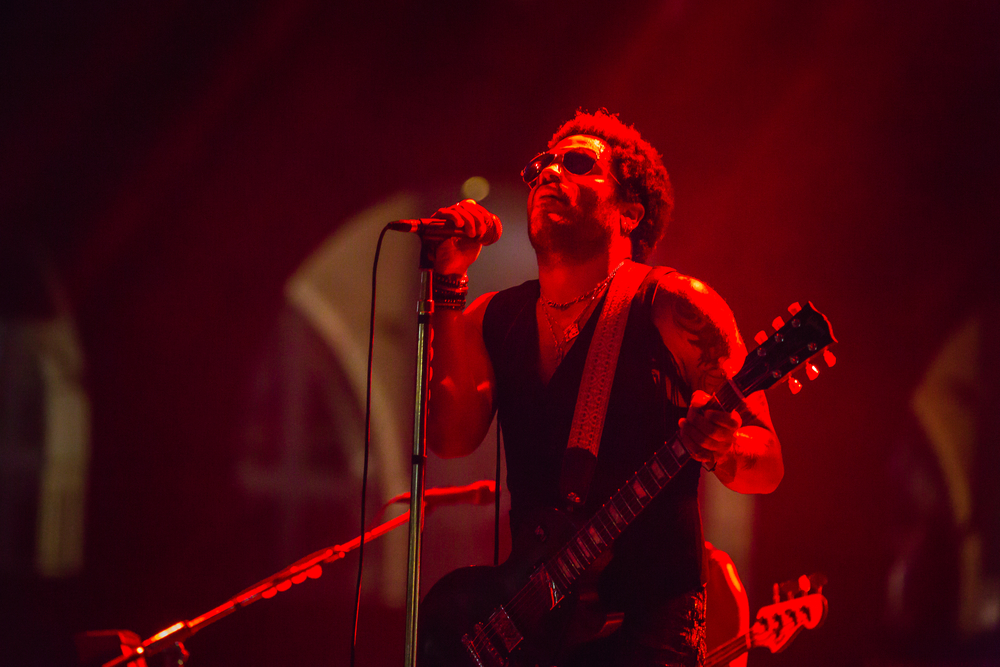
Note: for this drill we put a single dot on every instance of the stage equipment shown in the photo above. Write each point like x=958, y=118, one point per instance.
x=91, y=645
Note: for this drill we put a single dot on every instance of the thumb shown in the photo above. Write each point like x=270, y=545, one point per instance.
x=699, y=399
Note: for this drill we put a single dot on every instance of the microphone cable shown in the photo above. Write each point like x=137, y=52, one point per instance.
x=368, y=434
x=496, y=502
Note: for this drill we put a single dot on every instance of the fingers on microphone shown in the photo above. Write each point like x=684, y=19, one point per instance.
x=464, y=219
x=483, y=220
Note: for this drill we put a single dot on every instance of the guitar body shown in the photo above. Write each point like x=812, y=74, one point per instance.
x=541, y=625
x=521, y=613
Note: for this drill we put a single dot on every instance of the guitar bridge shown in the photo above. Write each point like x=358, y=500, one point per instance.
x=481, y=645
x=501, y=624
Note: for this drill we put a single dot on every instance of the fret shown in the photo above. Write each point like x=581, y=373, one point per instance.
x=596, y=527
x=563, y=568
x=667, y=460
x=616, y=517
x=596, y=537
x=631, y=502
x=679, y=453
x=649, y=480
x=573, y=560
x=607, y=526
x=638, y=490
x=625, y=507
x=582, y=551
x=658, y=472
x=587, y=545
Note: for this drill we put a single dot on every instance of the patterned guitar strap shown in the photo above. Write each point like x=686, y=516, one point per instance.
x=580, y=459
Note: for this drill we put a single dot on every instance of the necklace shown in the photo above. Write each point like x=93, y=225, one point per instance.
x=569, y=333
x=592, y=294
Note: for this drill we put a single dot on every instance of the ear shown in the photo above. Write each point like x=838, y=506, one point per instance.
x=632, y=213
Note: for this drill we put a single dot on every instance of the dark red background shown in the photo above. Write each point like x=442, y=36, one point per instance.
x=176, y=161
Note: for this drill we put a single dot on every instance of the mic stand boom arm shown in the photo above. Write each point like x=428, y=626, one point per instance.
x=309, y=567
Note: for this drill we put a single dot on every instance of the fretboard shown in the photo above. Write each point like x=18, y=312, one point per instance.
x=566, y=566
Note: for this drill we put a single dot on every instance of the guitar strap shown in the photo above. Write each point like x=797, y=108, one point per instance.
x=580, y=459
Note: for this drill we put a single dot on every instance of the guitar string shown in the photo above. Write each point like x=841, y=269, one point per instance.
x=728, y=397
x=532, y=592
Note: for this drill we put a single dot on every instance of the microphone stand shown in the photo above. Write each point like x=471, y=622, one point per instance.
x=425, y=307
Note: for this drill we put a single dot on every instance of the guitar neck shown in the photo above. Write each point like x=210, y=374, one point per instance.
x=729, y=651
x=566, y=566
x=776, y=625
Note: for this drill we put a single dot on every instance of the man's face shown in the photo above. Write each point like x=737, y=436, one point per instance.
x=570, y=214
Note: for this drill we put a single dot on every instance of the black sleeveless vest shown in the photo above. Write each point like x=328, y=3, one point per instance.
x=660, y=554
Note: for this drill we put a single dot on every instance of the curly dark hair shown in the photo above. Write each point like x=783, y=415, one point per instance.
x=639, y=170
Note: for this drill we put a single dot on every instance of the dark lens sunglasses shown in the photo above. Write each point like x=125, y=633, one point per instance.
x=575, y=162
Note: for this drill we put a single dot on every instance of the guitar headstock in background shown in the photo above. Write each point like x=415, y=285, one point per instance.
x=798, y=604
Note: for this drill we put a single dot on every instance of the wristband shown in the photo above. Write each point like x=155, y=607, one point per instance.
x=450, y=290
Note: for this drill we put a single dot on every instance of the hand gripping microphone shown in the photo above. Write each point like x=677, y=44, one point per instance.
x=435, y=228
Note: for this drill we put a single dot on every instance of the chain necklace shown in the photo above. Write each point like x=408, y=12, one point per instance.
x=592, y=294
x=569, y=333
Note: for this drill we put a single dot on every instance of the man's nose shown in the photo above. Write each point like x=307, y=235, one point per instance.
x=552, y=172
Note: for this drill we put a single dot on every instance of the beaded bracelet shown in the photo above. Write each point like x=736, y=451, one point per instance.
x=450, y=290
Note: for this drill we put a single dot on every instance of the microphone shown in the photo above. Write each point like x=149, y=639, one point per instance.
x=482, y=492
x=434, y=228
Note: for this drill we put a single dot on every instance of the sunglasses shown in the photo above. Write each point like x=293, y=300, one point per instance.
x=575, y=162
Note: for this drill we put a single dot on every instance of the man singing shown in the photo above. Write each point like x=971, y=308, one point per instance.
x=599, y=201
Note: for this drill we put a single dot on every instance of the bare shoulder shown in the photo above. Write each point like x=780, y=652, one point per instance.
x=476, y=310
x=699, y=329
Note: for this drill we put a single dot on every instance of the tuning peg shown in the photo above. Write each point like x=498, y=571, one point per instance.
x=804, y=583
x=760, y=337
x=830, y=360
x=811, y=371
x=794, y=308
x=817, y=581
x=778, y=323
x=794, y=385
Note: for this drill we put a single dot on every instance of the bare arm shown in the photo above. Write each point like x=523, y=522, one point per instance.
x=461, y=403
x=699, y=330
x=462, y=388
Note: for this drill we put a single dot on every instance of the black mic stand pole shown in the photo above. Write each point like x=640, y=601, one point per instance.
x=425, y=306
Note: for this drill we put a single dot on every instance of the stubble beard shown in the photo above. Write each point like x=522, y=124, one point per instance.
x=574, y=238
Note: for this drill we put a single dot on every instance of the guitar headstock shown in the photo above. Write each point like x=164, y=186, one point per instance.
x=799, y=342
x=804, y=607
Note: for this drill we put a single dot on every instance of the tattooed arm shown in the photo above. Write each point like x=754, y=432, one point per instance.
x=699, y=330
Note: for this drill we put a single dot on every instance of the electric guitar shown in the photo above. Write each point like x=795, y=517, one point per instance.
x=777, y=624
x=515, y=614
